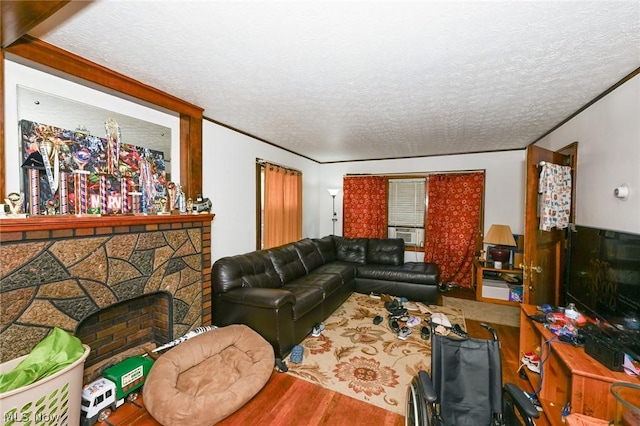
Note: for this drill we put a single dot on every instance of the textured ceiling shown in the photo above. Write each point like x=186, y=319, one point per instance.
x=353, y=80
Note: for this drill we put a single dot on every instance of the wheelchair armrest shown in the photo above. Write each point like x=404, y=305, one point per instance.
x=521, y=402
x=427, y=387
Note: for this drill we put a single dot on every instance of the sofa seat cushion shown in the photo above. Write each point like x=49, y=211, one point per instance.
x=346, y=270
x=328, y=283
x=307, y=298
x=410, y=272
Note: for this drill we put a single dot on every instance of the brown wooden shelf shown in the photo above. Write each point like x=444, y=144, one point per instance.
x=479, y=267
x=568, y=374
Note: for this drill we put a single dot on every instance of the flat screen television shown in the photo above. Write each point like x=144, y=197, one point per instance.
x=602, y=277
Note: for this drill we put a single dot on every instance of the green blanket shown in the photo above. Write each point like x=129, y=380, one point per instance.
x=55, y=352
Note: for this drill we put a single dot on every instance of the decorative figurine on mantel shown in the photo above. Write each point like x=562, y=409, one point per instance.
x=52, y=205
x=161, y=205
x=172, y=190
x=201, y=205
x=15, y=200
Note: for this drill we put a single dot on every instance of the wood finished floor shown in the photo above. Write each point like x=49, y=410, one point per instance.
x=287, y=400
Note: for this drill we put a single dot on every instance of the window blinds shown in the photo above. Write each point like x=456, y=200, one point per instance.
x=407, y=202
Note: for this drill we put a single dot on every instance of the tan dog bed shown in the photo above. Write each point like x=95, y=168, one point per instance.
x=208, y=377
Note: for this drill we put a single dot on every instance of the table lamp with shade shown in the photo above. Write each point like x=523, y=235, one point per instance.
x=502, y=237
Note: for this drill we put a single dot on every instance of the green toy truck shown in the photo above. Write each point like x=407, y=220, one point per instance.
x=120, y=381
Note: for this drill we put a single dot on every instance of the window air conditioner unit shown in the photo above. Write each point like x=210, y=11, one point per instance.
x=411, y=236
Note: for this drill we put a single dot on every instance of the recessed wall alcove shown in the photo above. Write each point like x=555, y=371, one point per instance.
x=56, y=272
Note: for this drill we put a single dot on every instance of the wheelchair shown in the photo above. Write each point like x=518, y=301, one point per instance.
x=465, y=387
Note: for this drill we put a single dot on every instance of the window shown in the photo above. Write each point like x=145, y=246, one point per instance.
x=407, y=203
x=407, y=200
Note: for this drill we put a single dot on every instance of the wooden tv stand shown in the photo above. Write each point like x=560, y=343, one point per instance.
x=568, y=374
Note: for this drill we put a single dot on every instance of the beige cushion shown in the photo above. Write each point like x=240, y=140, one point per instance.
x=208, y=377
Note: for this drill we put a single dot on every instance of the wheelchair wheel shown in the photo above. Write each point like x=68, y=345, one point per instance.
x=417, y=407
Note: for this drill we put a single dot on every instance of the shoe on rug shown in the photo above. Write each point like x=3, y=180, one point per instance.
x=394, y=326
x=410, y=306
x=393, y=306
x=425, y=333
x=317, y=329
x=413, y=321
x=404, y=333
x=457, y=329
x=399, y=312
x=377, y=320
x=296, y=354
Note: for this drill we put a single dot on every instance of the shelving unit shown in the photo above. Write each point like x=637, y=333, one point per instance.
x=484, y=294
x=568, y=374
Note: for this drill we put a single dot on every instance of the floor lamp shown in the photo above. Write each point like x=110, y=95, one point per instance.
x=334, y=218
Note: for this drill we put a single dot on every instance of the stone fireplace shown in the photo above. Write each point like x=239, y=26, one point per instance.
x=152, y=271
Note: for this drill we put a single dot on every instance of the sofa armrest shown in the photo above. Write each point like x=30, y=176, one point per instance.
x=270, y=298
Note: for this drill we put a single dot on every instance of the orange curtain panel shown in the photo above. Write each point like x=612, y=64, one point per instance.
x=282, y=205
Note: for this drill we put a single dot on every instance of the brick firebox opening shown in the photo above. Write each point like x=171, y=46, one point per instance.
x=127, y=325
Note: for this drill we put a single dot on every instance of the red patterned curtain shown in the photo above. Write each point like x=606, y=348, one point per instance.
x=365, y=207
x=453, y=221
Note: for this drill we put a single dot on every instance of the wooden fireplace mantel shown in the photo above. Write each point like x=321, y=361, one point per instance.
x=54, y=223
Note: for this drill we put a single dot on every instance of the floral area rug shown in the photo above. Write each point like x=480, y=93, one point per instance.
x=365, y=361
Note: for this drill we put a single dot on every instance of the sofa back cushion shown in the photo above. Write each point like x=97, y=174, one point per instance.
x=287, y=262
x=309, y=254
x=351, y=249
x=326, y=247
x=387, y=251
x=253, y=269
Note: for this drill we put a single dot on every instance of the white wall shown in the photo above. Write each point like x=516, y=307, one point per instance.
x=229, y=180
x=608, y=135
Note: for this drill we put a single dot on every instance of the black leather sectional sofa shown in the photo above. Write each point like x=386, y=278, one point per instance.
x=283, y=292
